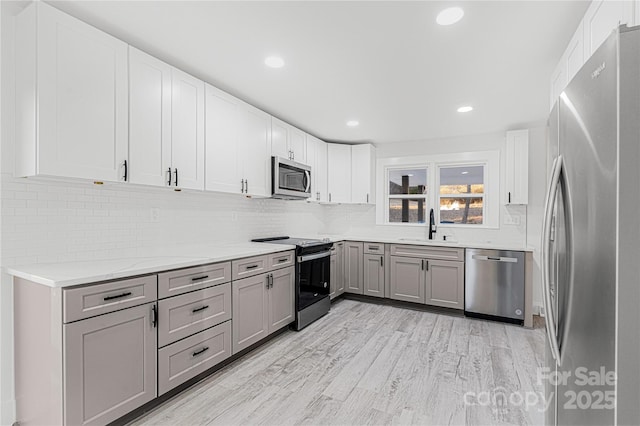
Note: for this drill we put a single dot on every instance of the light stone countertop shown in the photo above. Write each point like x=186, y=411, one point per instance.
x=65, y=274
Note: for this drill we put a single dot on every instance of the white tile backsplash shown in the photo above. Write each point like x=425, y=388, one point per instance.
x=51, y=221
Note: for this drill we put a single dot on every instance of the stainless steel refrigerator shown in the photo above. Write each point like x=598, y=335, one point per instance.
x=591, y=234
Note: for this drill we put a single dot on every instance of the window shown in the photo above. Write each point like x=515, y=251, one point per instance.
x=461, y=194
x=407, y=195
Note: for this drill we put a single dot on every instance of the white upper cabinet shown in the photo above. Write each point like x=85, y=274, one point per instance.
x=517, y=167
x=71, y=97
x=166, y=124
x=255, y=149
x=363, y=170
x=287, y=141
x=187, y=130
x=602, y=17
x=149, y=119
x=317, y=159
x=339, y=173
x=238, y=146
x=222, y=136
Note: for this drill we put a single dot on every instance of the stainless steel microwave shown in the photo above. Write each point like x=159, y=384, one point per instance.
x=290, y=180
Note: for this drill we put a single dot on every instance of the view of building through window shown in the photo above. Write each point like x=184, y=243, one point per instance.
x=407, y=194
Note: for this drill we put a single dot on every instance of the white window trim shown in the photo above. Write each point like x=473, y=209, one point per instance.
x=491, y=161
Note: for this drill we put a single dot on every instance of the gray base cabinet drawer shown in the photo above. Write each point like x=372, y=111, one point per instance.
x=428, y=252
x=281, y=260
x=191, y=279
x=187, y=358
x=187, y=314
x=249, y=267
x=98, y=299
x=373, y=248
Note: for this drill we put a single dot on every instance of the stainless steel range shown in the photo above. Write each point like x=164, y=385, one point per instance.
x=312, y=277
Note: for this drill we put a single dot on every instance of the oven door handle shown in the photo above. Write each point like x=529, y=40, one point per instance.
x=314, y=256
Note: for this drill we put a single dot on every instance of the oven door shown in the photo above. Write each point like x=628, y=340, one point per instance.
x=290, y=179
x=312, y=278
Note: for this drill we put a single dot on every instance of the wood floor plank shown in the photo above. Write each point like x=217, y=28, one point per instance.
x=370, y=364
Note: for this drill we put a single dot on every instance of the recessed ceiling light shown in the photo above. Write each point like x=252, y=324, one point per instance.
x=450, y=16
x=465, y=173
x=465, y=109
x=352, y=123
x=274, y=62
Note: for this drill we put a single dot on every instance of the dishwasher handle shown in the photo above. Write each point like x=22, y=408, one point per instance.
x=495, y=259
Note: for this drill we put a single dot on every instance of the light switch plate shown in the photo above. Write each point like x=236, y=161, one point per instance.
x=511, y=220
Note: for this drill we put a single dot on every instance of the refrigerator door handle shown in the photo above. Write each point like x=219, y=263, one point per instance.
x=550, y=320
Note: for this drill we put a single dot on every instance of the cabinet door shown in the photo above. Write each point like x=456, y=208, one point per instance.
x=407, y=279
x=601, y=19
x=281, y=298
x=339, y=173
x=311, y=161
x=340, y=269
x=149, y=119
x=374, y=275
x=354, y=277
x=280, y=138
x=445, y=284
x=109, y=365
x=255, y=150
x=362, y=174
x=187, y=130
x=82, y=99
x=298, y=145
x=321, y=171
x=221, y=142
x=249, y=300
x=333, y=264
x=517, y=173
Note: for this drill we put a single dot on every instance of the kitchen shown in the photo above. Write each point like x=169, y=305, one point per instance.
x=168, y=199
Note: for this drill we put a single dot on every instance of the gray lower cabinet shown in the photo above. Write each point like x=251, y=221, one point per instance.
x=353, y=265
x=261, y=305
x=340, y=286
x=373, y=269
x=281, y=298
x=109, y=365
x=445, y=284
x=333, y=274
x=189, y=357
x=407, y=279
x=433, y=282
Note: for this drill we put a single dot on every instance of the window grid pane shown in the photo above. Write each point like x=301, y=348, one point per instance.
x=462, y=210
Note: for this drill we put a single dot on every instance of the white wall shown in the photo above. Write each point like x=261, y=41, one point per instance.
x=360, y=220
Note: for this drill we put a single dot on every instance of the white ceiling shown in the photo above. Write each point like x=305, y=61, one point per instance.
x=386, y=64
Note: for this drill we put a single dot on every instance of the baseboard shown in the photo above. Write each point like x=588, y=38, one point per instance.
x=8, y=412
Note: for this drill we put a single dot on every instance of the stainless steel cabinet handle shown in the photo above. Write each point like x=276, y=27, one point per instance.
x=267, y=278
x=271, y=280
x=169, y=181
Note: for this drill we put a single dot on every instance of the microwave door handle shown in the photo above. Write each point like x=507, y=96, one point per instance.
x=307, y=178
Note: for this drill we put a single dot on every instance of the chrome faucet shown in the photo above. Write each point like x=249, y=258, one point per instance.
x=432, y=225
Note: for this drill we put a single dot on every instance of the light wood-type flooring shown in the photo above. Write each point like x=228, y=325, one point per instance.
x=374, y=364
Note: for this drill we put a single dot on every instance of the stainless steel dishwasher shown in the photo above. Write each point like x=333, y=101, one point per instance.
x=494, y=284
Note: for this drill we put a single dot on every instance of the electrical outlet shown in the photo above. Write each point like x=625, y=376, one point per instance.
x=511, y=220
x=155, y=215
